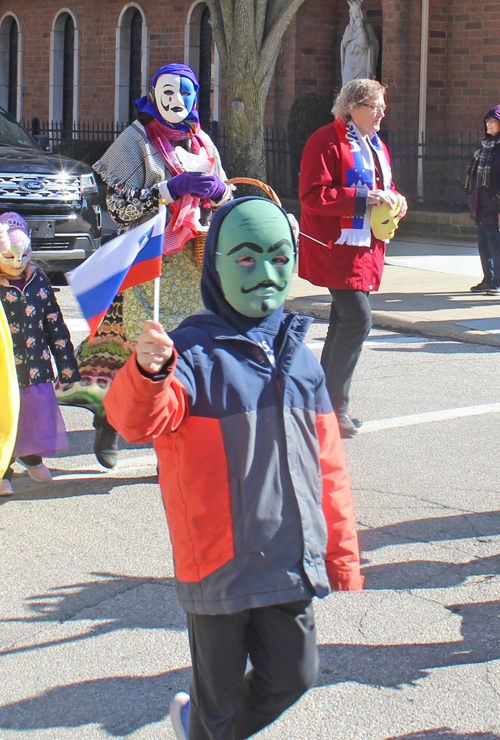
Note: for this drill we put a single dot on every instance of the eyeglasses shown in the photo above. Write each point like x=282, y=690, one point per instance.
x=376, y=108
x=491, y=120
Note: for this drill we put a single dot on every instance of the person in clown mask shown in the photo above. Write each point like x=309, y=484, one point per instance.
x=38, y=330
x=162, y=156
x=252, y=475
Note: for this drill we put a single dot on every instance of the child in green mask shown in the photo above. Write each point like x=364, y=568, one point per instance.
x=252, y=474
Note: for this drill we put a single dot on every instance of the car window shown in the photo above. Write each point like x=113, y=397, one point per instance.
x=12, y=134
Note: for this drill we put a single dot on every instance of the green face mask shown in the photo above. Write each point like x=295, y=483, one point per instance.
x=255, y=258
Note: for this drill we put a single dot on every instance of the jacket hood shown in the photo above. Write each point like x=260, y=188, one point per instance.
x=493, y=113
x=211, y=291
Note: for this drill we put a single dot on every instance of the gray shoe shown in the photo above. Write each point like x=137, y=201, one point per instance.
x=481, y=288
x=494, y=290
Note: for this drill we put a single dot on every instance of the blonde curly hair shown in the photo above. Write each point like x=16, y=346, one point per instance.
x=354, y=94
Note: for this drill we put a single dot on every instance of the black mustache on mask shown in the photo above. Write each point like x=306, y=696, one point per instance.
x=265, y=284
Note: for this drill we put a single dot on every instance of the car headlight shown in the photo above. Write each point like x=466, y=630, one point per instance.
x=89, y=184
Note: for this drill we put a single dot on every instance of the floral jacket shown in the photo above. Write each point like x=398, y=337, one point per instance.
x=37, y=329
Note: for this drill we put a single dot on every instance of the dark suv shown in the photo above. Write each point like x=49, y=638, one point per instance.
x=56, y=195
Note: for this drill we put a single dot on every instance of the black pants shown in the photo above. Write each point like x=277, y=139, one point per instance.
x=350, y=324
x=28, y=459
x=280, y=640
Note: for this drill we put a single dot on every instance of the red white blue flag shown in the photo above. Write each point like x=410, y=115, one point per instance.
x=129, y=259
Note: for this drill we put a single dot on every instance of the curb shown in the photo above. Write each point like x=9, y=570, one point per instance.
x=393, y=322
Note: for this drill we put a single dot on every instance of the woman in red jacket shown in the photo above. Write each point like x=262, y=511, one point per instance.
x=345, y=170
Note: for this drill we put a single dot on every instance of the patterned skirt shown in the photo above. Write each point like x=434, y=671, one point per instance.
x=179, y=297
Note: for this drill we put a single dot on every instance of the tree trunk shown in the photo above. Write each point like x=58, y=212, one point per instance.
x=248, y=35
x=245, y=150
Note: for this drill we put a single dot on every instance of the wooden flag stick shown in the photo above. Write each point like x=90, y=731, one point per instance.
x=156, y=300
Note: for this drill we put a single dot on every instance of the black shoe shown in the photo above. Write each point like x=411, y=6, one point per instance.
x=357, y=422
x=105, y=443
x=494, y=290
x=348, y=428
x=481, y=288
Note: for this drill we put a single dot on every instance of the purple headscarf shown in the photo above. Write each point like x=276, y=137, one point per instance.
x=191, y=124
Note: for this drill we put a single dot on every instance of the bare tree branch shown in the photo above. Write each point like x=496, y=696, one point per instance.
x=248, y=35
x=260, y=21
x=219, y=30
x=287, y=10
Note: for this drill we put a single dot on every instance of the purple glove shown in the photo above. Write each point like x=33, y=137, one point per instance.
x=196, y=183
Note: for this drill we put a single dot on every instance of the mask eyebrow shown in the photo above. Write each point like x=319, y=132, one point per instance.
x=250, y=245
x=279, y=244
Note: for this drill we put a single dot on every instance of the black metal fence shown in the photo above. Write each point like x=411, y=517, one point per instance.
x=431, y=174
x=442, y=162
x=84, y=141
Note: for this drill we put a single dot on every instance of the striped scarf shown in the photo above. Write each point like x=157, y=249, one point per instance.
x=358, y=170
x=479, y=170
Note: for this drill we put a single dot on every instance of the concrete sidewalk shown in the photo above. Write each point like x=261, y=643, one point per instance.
x=424, y=290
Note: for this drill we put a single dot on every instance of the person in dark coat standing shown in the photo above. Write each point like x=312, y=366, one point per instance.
x=345, y=171
x=482, y=187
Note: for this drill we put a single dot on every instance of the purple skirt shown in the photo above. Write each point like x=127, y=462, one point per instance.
x=41, y=429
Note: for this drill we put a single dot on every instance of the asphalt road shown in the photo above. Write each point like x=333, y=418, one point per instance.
x=93, y=644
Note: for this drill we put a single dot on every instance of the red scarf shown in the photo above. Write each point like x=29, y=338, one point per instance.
x=182, y=225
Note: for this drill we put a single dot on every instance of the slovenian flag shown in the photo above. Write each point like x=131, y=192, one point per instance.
x=129, y=259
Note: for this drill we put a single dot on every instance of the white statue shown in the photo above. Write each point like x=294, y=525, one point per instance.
x=359, y=49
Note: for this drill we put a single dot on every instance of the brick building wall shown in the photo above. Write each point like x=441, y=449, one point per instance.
x=463, y=56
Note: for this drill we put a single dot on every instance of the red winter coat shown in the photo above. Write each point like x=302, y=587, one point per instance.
x=324, y=201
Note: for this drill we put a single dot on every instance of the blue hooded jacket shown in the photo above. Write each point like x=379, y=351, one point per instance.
x=251, y=464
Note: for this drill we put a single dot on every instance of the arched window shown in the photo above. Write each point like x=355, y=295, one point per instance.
x=201, y=54
x=10, y=65
x=68, y=76
x=13, y=48
x=132, y=59
x=135, y=74
x=63, y=102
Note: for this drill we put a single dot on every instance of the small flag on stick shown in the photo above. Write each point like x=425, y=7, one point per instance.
x=129, y=259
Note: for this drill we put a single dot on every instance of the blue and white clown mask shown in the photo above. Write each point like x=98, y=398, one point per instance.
x=175, y=96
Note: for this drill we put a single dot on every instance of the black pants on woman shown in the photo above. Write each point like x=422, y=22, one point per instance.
x=350, y=324
x=228, y=703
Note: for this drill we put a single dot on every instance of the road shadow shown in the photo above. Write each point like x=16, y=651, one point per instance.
x=436, y=529
x=429, y=573
x=90, y=483
x=112, y=602
x=123, y=704
x=393, y=666
x=119, y=705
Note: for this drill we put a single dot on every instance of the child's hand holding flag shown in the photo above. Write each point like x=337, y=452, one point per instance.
x=154, y=347
x=130, y=259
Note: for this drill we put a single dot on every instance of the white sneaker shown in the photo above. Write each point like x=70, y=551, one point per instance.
x=179, y=715
x=6, y=488
x=39, y=472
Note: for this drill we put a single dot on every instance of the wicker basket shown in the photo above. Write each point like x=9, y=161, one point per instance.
x=199, y=241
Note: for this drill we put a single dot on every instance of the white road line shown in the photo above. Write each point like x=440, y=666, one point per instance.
x=378, y=425
x=378, y=341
